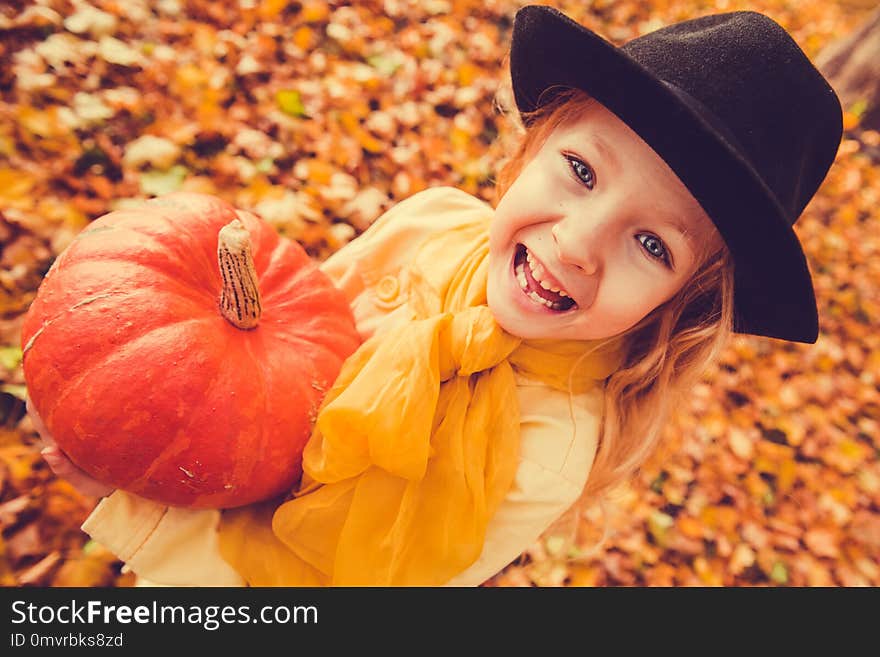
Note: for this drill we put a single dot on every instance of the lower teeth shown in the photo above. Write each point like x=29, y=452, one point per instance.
x=521, y=279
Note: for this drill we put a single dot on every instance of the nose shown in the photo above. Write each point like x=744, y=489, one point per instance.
x=579, y=243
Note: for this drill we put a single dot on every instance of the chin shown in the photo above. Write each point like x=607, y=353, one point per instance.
x=516, y=324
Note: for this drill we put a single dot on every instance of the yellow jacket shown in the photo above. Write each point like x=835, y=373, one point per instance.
x=175, y=546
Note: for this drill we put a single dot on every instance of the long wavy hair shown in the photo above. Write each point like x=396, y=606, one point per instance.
x=665, y=353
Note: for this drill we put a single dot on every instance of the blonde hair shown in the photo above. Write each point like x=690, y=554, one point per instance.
x=665, y=353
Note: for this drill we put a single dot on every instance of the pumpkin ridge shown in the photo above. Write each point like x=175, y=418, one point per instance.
x=48, y=322
x=308, y=291
x=185, y=245
x=300, y=320
x=72, y=384
x=187, y=230
x=298, y=390
x=303, y=285
x=178, y=445
x=97, y=353
x=284, y=260
x=320, y=354
x=119, y=223
x=170, y=267
x=192, y=292
x=289, y=338
x=251, y=458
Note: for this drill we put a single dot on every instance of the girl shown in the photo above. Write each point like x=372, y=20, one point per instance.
x=511, y=352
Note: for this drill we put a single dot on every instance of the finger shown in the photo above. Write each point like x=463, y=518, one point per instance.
x=59, y=463
x=36, y=420
x=94, y=488
x=40, y=428
x=64, y=468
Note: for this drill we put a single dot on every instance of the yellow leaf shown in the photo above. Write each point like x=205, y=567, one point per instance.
x=728, y=519
x=707, y=573
x=690, y=527
x=84, y=571
x=793, y=429
x=850, y=120
x=14, y=184
x=786, y=476
x=583, y=576
x=743, y=556
x=756, y=486
x=353, y=127
x=763, y=464
x=190, y=76
x=825, y=363
x=318, y=171
x=199, y=185
x=41, y=123
x=21, y=460
x=7, y=146
x=852, y=449
x=303, y=38
x=467, y=73
x=315, y=11
x=59, y=212
x=459, y=139
x=204, y=39
x=847, y=215
x=270, y=9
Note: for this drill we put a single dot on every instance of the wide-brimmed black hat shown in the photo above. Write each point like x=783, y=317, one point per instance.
x=738, y=112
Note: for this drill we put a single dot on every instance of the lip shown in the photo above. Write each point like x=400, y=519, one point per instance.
x=523, y=298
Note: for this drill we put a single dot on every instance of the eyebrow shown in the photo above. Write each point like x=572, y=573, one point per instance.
x=678, y=224
x=608, y=155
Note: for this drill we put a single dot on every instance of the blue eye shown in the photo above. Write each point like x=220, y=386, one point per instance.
x=581, y=171
x=655, y=248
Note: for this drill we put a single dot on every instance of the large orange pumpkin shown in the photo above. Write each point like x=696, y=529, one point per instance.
x=182, y=366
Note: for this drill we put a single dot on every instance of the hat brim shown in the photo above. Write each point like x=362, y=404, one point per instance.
x=773, y=291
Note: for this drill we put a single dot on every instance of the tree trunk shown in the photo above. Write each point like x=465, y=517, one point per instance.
x=852, y=66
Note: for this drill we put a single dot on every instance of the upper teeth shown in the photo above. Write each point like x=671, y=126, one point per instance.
x=538, y=271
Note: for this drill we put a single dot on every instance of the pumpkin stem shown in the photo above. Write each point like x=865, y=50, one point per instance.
x=240, y=296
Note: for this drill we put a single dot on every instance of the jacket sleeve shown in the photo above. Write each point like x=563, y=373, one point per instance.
x=166, y=545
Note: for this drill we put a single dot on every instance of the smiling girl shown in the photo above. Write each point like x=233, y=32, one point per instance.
x=520, y=358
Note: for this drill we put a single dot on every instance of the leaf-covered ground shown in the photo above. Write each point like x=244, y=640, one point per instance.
x=319, y=115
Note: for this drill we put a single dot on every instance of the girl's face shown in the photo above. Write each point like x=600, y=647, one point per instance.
x=595, y=233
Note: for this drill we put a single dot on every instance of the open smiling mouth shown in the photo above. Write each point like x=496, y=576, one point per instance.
x=532, y=285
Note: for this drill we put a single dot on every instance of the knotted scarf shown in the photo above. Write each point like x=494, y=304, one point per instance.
x=416, y=443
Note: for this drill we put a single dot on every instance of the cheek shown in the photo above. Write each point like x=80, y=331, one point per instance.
x=532, y=195
x=503, y=228
x=498, y=226
x=627, y=297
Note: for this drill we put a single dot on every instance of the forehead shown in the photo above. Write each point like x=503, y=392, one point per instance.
x=591, y=119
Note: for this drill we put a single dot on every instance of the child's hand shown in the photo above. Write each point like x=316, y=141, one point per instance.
x=61, y=465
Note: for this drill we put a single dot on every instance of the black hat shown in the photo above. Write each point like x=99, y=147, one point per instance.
x=738, y=112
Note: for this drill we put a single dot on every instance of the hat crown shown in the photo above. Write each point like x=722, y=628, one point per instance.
x=750, y=78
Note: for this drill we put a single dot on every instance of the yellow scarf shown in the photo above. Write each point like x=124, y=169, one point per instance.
x=416, y=443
